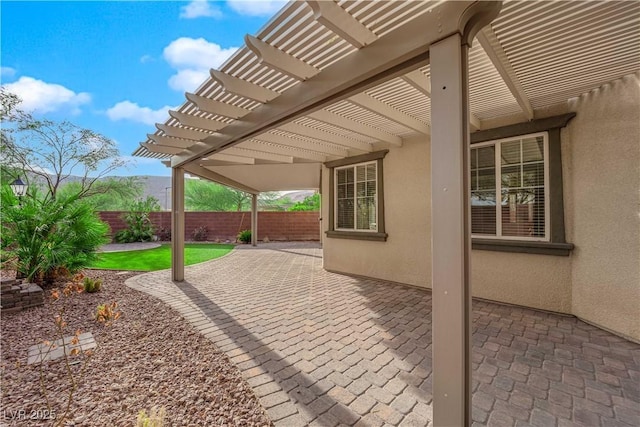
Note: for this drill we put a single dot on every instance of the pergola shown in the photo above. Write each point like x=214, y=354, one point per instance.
x=326, y=80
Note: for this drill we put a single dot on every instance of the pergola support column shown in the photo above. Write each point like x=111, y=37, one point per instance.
x=254, y=219
x=177, y=224
x=450, y=230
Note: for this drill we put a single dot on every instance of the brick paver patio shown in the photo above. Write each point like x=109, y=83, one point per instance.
x=325, y=349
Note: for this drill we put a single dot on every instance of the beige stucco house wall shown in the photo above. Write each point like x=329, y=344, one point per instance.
x=602, y=196
x=599, y=281
x=406, y=255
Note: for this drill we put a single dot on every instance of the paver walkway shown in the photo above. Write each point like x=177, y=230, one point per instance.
x=326, y=349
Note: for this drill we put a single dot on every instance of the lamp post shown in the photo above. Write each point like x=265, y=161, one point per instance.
x=19, y=189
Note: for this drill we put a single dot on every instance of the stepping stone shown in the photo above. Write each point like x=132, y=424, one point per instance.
x=43, y=352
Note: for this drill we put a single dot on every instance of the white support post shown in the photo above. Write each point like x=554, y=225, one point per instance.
x=177, y=224
x=254, y=219
x=450, y=230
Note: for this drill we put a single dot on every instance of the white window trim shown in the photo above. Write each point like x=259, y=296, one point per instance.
x=498, y=169
x=355, y=210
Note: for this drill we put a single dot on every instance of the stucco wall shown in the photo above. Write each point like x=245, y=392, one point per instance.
x=406, y=255
x=533, y=280
x=538, y=281
x=602, y=146
x=599, y=281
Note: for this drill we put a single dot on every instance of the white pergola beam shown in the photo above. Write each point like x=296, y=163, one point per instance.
x=217, y=107
x=177, y=224
x=208, y=174
x=450, y=233
x=491, y=45
x=323, y=135
x=258, y=155
x=419, y=81
x=372, y=104
x=353, y=126
x=197, y=122
x=171, y=142
x=392, y=55
x=183, y=133
x=422, y=83
x=282, y=150
x=338, y=20
x=223, y=157
x=164, y=149
x=323, y=149
x=279, y=60
x=243, y=88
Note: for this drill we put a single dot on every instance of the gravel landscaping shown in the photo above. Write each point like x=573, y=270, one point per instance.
x=150, y=357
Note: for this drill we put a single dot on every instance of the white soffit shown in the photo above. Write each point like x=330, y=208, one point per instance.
x=560, y=50
x=551, y=51
x=274, y=177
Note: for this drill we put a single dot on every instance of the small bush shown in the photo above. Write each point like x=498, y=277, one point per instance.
x=245, y=236
x=139, y=225
x=107, y=313
x=164, y=234
x=200, y=234
x=92, y=285
x=154, y=419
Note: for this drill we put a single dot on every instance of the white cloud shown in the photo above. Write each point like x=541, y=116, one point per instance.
x=187, y=80
x=199, y=9
x=127, y=110
x=256, y=7
x=146, y=58
x=7, y=71
x=193, y=58
x=186, y=52
x=42, y=97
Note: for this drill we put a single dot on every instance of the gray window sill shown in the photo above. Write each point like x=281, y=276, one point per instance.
x=519, y=246
x=357, y=235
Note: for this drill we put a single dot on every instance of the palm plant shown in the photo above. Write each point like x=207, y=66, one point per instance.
x=42, y=237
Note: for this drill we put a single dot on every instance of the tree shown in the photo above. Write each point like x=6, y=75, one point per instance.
x=209, y=196
x=55, y=151
x=310, y=203
x=110, y=194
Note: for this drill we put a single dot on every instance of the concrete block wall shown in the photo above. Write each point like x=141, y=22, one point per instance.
x=282, y=226
x=16, y=296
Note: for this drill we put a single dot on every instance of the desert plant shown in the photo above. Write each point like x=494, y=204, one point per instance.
x=154, y=419
x=107, y=313
x=164, y=234
x=244, y=236
x=139, y=225
x=92, y=285
x=43, y=238
x=200, y=234
x=72, y=351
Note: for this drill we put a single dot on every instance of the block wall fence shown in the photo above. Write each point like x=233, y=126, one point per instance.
x=226, y=225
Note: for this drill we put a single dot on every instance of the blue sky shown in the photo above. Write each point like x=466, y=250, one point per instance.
x=116, y=66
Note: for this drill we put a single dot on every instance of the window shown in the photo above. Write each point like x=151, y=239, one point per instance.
x=356, y=197
x=509, y=182
x=517, y=202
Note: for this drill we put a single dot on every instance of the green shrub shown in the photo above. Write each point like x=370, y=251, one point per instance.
x=139, y=225
x=154, y=419
x=245, y=236
x=92, y=285
x=200, y=234
x=42, y=238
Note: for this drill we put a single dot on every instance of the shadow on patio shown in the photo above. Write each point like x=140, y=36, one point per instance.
x=322, y=349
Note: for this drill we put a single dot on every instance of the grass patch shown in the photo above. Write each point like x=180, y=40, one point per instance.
x=159, y=258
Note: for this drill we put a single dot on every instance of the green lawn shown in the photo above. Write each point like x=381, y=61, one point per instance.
x=159, y=258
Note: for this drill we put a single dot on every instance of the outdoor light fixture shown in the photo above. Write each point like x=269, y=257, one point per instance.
x=19, y=188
